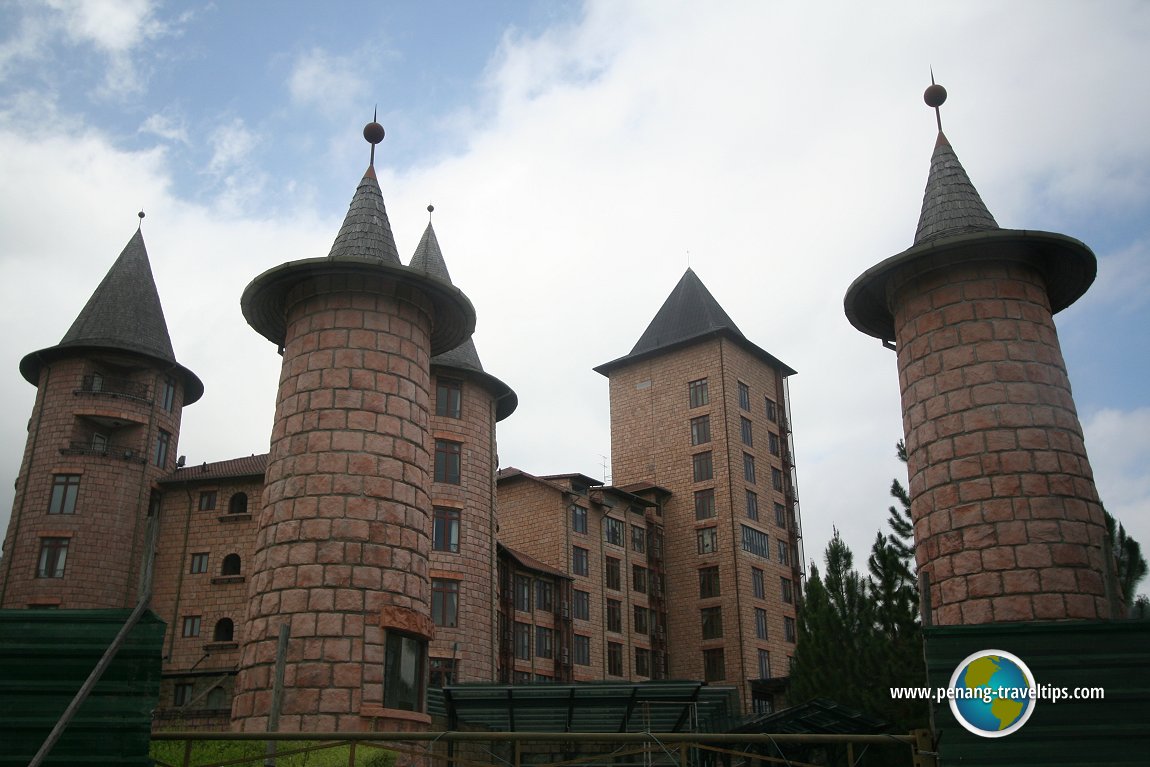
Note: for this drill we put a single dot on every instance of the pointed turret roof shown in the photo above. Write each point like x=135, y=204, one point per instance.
x=428, y=259
x=123, y=314
x=366, y=232
x=689, y=314
x=951, y=205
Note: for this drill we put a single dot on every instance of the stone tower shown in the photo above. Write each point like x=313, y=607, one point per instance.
x=103, y=429
x=700, y=410
x=343, y=542
x=467, y=404
x=1007, y=521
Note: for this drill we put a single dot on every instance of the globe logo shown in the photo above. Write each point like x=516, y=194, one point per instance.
x=992, y=693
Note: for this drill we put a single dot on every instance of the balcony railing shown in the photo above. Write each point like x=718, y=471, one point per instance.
x=113, y=387
x=107, y=450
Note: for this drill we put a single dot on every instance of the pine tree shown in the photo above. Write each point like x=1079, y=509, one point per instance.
x=1128, y=557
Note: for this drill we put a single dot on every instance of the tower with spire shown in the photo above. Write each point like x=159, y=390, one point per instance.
x=103, y=429
x=699, y=410
x=343, y=548
x=1008, y=526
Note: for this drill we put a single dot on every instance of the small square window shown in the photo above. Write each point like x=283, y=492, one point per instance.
x=207, y=500
x=53, y=557
x=182, y=694
x=191, y=627
x=199, y=563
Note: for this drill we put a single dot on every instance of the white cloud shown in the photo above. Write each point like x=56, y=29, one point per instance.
x=1119, y=446
x=114, y=26
x=330, y=83
x=166, y=127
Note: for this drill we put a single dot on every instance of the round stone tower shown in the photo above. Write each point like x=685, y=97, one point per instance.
x=468, y=402
x=1008, y=526
x=344, y=535
x=103, y=429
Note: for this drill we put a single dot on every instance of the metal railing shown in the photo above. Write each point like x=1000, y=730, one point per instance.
x=113, y=387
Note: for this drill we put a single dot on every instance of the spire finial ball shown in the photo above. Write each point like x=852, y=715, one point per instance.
x=430, y=208
x=373, y=132
x=934, y=96
x=141, y=215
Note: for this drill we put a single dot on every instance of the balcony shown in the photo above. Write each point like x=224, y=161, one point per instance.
x=105, y=450
x=116, y=388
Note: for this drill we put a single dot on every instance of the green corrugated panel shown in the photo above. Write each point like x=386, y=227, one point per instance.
x=1114, y=655
x=45, y=656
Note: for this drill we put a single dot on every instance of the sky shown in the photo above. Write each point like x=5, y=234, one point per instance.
x=580, y=155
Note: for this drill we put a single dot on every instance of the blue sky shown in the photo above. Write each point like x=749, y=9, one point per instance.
x=576, y=154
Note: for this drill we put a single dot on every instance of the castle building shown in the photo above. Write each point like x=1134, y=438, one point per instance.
x=378, y=537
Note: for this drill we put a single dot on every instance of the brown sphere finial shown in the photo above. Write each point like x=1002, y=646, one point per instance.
x=934, y=96
x=373, y=132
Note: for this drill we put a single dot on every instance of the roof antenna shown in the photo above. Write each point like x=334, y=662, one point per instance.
x=935, y=96
x=688, y=259
x=374, y=133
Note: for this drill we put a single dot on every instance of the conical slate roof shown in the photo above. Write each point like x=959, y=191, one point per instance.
x=124, y=314
x=689, y=311
x=951, y=204
x=428, y=257
x=689, y=314
x=366, y=232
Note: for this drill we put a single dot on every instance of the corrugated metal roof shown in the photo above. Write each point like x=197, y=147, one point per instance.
x=45, y=656
x=1114, y=655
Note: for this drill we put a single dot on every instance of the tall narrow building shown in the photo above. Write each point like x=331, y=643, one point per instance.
x=698, y=409
x=103, y=429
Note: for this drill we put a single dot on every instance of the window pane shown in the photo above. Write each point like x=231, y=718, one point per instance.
x=447, y=461
x=697, y=392
x=744, y=396
x=702, y=466
x=403, y=671
x=448, y=398
x=704, y=504
x=701, y=430
x=64, y=490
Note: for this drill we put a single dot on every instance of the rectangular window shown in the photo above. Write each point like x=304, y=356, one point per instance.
x=448, y=398
x=614, y=577
x=776, y=479
x=614, y=659
x=581, y=650
x=784, y=552
x=764, y=664
x=199, y=563
x=544, y=595
x=182, y=693
x=756, y=542
x=444, y=602
x=707, y=540
x=544, y=642
x=697, y=392
x=207, y=500
x=701, y=430
x=712, y=622
x=788, y=589
x=579, y=560
x=760, y=623
x=65, y=488
x=613, y=531
x=445, y=530
x=447, y=461
x=789, y=629
x=191, y=627
x=579, y=519
x=639, y=578
x=714, y=667
x=168, y=395
x=709, y=582
x=749, y=468
x=752, y=505
x=744, y=396
x=53, y=557
x=758, y=587
x=441, y=672
x=638, y=539
x=704, y=504
x=522, y=641
x=642, y=661
x=780, y=515
x=581, y=605
x=747, y=430
x=523, y=593
x=615, y=616
x=403, y=671
x=773, y=443
x=702, y=466
x=772, y=411
x=639, y=622
x=163, y=442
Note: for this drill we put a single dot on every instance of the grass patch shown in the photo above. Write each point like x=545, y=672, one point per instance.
x=251, y=752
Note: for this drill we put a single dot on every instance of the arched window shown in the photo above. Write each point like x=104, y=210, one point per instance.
x=231, y=565
x=238, y=504
x=224, y=630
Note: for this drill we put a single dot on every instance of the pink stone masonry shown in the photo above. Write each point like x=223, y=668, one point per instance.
x=1007, y=520
x=343, y=534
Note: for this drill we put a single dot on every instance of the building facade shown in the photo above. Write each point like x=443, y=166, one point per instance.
x=378, y=536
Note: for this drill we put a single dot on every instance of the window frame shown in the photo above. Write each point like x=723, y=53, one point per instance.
x=190, y=626
x=612, y=574
x=199, y=563
x=710, y=582
x=578, y=518
x=614, y=621
x=756, y=542
x=711, y=622
x=707, y=539
x=702, y=466
x=445, y=529
x=747, y=431
x=744, y=396
x=749, y=468
x=614, y=531
x=700, y=430
x=448, y=461
x=404, y=671
x=580, y=561
x=705, y=507
x=445, y=602
x=65, y=492
x=451, y=405
x=581, y=605
x=52, y=561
